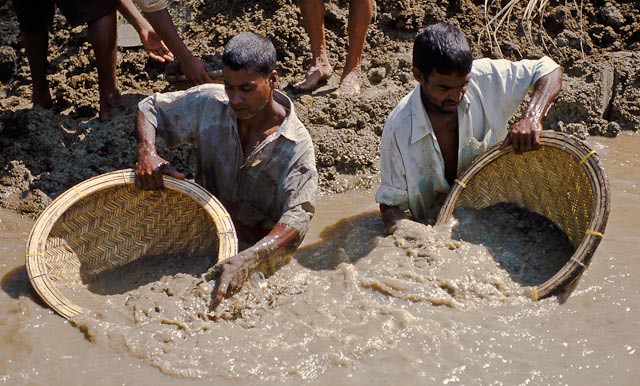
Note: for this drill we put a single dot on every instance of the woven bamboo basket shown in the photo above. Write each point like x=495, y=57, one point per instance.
x=106, y=222
x=563, y=181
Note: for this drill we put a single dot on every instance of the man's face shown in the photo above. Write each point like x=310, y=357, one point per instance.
x=248, y=92
x=443, y=92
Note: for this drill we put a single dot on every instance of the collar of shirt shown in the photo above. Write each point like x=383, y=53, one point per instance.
x=290, y=126
x=421, y=126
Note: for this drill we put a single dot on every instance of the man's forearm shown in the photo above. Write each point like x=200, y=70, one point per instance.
x=273, y=251
x=544, y=92
x=162, y=23
x=146, y=135
x=133, y=16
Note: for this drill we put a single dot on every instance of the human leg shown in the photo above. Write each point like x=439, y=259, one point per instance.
x=102, y=35
x=100, y=15
x=35, y=46
x=313, y=20
x=35, y=18
x=360, y=13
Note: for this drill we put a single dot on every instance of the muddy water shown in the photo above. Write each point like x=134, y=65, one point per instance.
x=357, y=308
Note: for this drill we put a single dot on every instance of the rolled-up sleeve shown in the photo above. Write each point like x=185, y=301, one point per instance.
x=300, y=186
x=502, y=85
x=175, y=115
x=152, y=5
x=393, y=185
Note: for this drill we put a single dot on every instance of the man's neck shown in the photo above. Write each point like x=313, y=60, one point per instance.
x=272, y=114
x=441, y=121
x=445, y=128
x=254, y=130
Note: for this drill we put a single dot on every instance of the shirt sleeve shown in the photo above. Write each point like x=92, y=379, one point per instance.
x=393, y=185
x=152, y=5
x=513, y=80
x=175, y=115
x=300, y=189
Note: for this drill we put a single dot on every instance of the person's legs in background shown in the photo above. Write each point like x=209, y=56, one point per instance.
x=313, y=20
x=35, y=19
x=100, y=16
x=360, y=14
x=103, y=38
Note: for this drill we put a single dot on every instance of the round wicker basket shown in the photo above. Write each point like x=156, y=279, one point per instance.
x=106, y=222
x=563, y=181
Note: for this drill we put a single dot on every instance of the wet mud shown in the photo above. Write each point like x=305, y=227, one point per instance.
x=44, y=152
x=168, y=322
x=354, y=306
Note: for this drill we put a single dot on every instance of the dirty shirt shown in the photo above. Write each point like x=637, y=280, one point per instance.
x=411, y=164
x=276, y=183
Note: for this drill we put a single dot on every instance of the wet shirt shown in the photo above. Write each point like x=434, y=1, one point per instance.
x=411, y=164
x=276, y=183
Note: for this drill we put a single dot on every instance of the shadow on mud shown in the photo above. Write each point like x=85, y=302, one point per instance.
x=530, y=247
x=348, y=240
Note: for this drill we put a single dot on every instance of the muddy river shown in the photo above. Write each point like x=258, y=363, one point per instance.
x=353, y=307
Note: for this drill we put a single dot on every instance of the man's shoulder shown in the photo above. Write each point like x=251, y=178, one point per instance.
x=485, y=66
x=402, y=111
x=211, y=90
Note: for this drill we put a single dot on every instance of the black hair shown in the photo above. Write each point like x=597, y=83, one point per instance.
x=250, y=51
x=443, y=47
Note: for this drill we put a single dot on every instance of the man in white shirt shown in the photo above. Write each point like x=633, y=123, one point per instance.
x=459, y=109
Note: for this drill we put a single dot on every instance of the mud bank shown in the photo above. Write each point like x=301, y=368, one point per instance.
x=44, y=152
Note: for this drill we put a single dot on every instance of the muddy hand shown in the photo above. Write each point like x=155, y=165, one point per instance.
x=149, y=171
x=523, y=136
x=229, y=276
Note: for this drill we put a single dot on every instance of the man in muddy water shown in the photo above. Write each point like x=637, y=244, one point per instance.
x=360, y=14
x=459, y=108
x=253, y=154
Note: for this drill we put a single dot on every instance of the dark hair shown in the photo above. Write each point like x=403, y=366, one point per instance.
x=250, y=51
x=442, y=47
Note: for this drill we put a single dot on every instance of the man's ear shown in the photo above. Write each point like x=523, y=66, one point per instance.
x=418, y=75
x=273, y=79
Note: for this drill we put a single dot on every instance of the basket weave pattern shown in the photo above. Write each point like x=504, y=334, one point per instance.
x=550, y=183
x=105, y=223
x=563, y=181
x=120, y=225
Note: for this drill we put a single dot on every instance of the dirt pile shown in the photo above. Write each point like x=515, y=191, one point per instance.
x=45, y=152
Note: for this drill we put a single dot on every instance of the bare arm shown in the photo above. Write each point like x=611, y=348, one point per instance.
x=523, y=135
x=266, y=256
x=150, y=40
x=150, y=166
x=192, y=67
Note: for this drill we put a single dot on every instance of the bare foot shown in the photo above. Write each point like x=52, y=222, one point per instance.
x=350, y=84
x=318, y=73
x=42, y=99
x=108, y=110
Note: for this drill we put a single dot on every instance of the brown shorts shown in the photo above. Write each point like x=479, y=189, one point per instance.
x=37, y=15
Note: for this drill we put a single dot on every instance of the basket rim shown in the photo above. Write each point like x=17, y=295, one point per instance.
x=36, y=242
x=598, y=180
